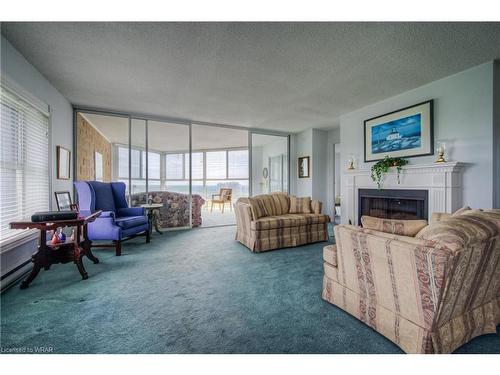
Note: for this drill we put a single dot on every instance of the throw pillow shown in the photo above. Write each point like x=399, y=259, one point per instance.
x=258, y=207
x=461, y=211
x=439, y=216
x=300, y=205
x=402, y=227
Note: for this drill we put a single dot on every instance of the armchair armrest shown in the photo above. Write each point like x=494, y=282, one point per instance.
x=131, y=211
x=107, y=214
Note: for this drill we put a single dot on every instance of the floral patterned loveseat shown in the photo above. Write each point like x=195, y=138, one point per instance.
x=175, y=210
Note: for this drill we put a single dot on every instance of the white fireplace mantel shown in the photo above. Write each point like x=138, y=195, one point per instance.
x=443, y=181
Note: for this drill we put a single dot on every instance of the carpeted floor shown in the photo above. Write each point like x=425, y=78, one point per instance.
x=194, y=291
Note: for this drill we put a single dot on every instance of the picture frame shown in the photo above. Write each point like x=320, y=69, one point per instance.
x=407, y=132
x=304, y=167
x=63, y=201
x=63, y=163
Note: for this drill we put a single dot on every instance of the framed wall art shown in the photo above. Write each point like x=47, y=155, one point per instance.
x=304, y=167
x=404, y=133
x=63, y=163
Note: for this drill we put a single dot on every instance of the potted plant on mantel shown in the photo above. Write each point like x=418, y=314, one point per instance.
x=380, y=168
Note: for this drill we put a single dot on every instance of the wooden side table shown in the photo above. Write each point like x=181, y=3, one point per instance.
x=152, y=216
x=71, y=250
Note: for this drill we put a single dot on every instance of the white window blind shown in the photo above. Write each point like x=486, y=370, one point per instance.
x=237, y=164
x=197, y=173
x=24, y=165
x=216, y=165
x=174, y=165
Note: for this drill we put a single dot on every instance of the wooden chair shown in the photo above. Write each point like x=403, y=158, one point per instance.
x=224, y=196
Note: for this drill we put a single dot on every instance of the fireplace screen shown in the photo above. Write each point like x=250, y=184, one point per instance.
x=393, y=204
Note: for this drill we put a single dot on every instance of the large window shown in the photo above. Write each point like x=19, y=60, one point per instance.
x=24, y=166
x=211, y=171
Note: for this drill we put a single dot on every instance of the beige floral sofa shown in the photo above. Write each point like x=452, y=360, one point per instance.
x=430, y=290
x=273, y=221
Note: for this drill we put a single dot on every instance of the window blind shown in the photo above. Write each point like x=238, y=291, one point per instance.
x=237, y=164
x=24, y=161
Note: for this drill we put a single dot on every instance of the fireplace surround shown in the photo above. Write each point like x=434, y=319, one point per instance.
x=442, y=181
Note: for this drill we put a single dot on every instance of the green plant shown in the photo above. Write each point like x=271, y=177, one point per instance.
x=382, y=167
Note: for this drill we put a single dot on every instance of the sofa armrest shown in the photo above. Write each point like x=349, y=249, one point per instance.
x=131, y=211
x=316, y=206
x=402, y=274
x=243, y=217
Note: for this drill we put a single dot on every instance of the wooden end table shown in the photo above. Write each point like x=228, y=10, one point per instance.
x=71, y=250
x=152, y=216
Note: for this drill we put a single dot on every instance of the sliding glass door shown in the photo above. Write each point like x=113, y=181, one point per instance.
x=148, y=156
x=269, y=163
x=196, y=172
x=220, y=171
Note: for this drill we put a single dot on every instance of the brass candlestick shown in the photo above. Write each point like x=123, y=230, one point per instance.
x=440, y=158
x=352, y=159
x=441, y=149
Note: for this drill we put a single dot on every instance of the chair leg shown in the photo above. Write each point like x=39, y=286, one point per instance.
x=148, y=236
x=212, y=207
x=118, y=248
x=223, y=204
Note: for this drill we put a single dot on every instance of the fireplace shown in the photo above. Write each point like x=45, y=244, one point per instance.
x=393, y=204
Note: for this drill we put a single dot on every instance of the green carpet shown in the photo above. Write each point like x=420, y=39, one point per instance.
x=194, y=291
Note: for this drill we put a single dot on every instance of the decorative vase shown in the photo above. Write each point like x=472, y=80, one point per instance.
x=55, y=239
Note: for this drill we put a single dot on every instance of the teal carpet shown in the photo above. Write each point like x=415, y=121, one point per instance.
x=195, y=291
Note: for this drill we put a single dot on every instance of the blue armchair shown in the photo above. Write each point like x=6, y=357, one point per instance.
x=117, y=222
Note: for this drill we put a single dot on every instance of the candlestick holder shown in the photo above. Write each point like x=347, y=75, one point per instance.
x=441, y=150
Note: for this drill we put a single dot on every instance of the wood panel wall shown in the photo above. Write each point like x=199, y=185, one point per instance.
x=88, y=141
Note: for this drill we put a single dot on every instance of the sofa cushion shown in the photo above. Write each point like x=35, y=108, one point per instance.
x=461, y=211
x=401, y=227
x=439, y=216
x=130, y=221
x=269, y=205
x=258, y=207
x=281, y=203
x=461, y=230
x=287, y=221
x=104, y=198
x=300, y=205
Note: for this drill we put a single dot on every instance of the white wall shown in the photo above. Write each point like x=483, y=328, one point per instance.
x=313, y=143
x=303, y=147
x=463, y=115
x=319, y=164
x=333, y=138
x=17, y=69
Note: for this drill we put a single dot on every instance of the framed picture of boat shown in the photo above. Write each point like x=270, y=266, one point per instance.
x=404, y=133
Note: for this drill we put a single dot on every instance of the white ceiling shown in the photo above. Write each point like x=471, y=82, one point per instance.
x=282, y=76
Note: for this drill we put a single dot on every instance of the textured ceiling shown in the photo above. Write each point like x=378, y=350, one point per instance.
x=282, y=76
